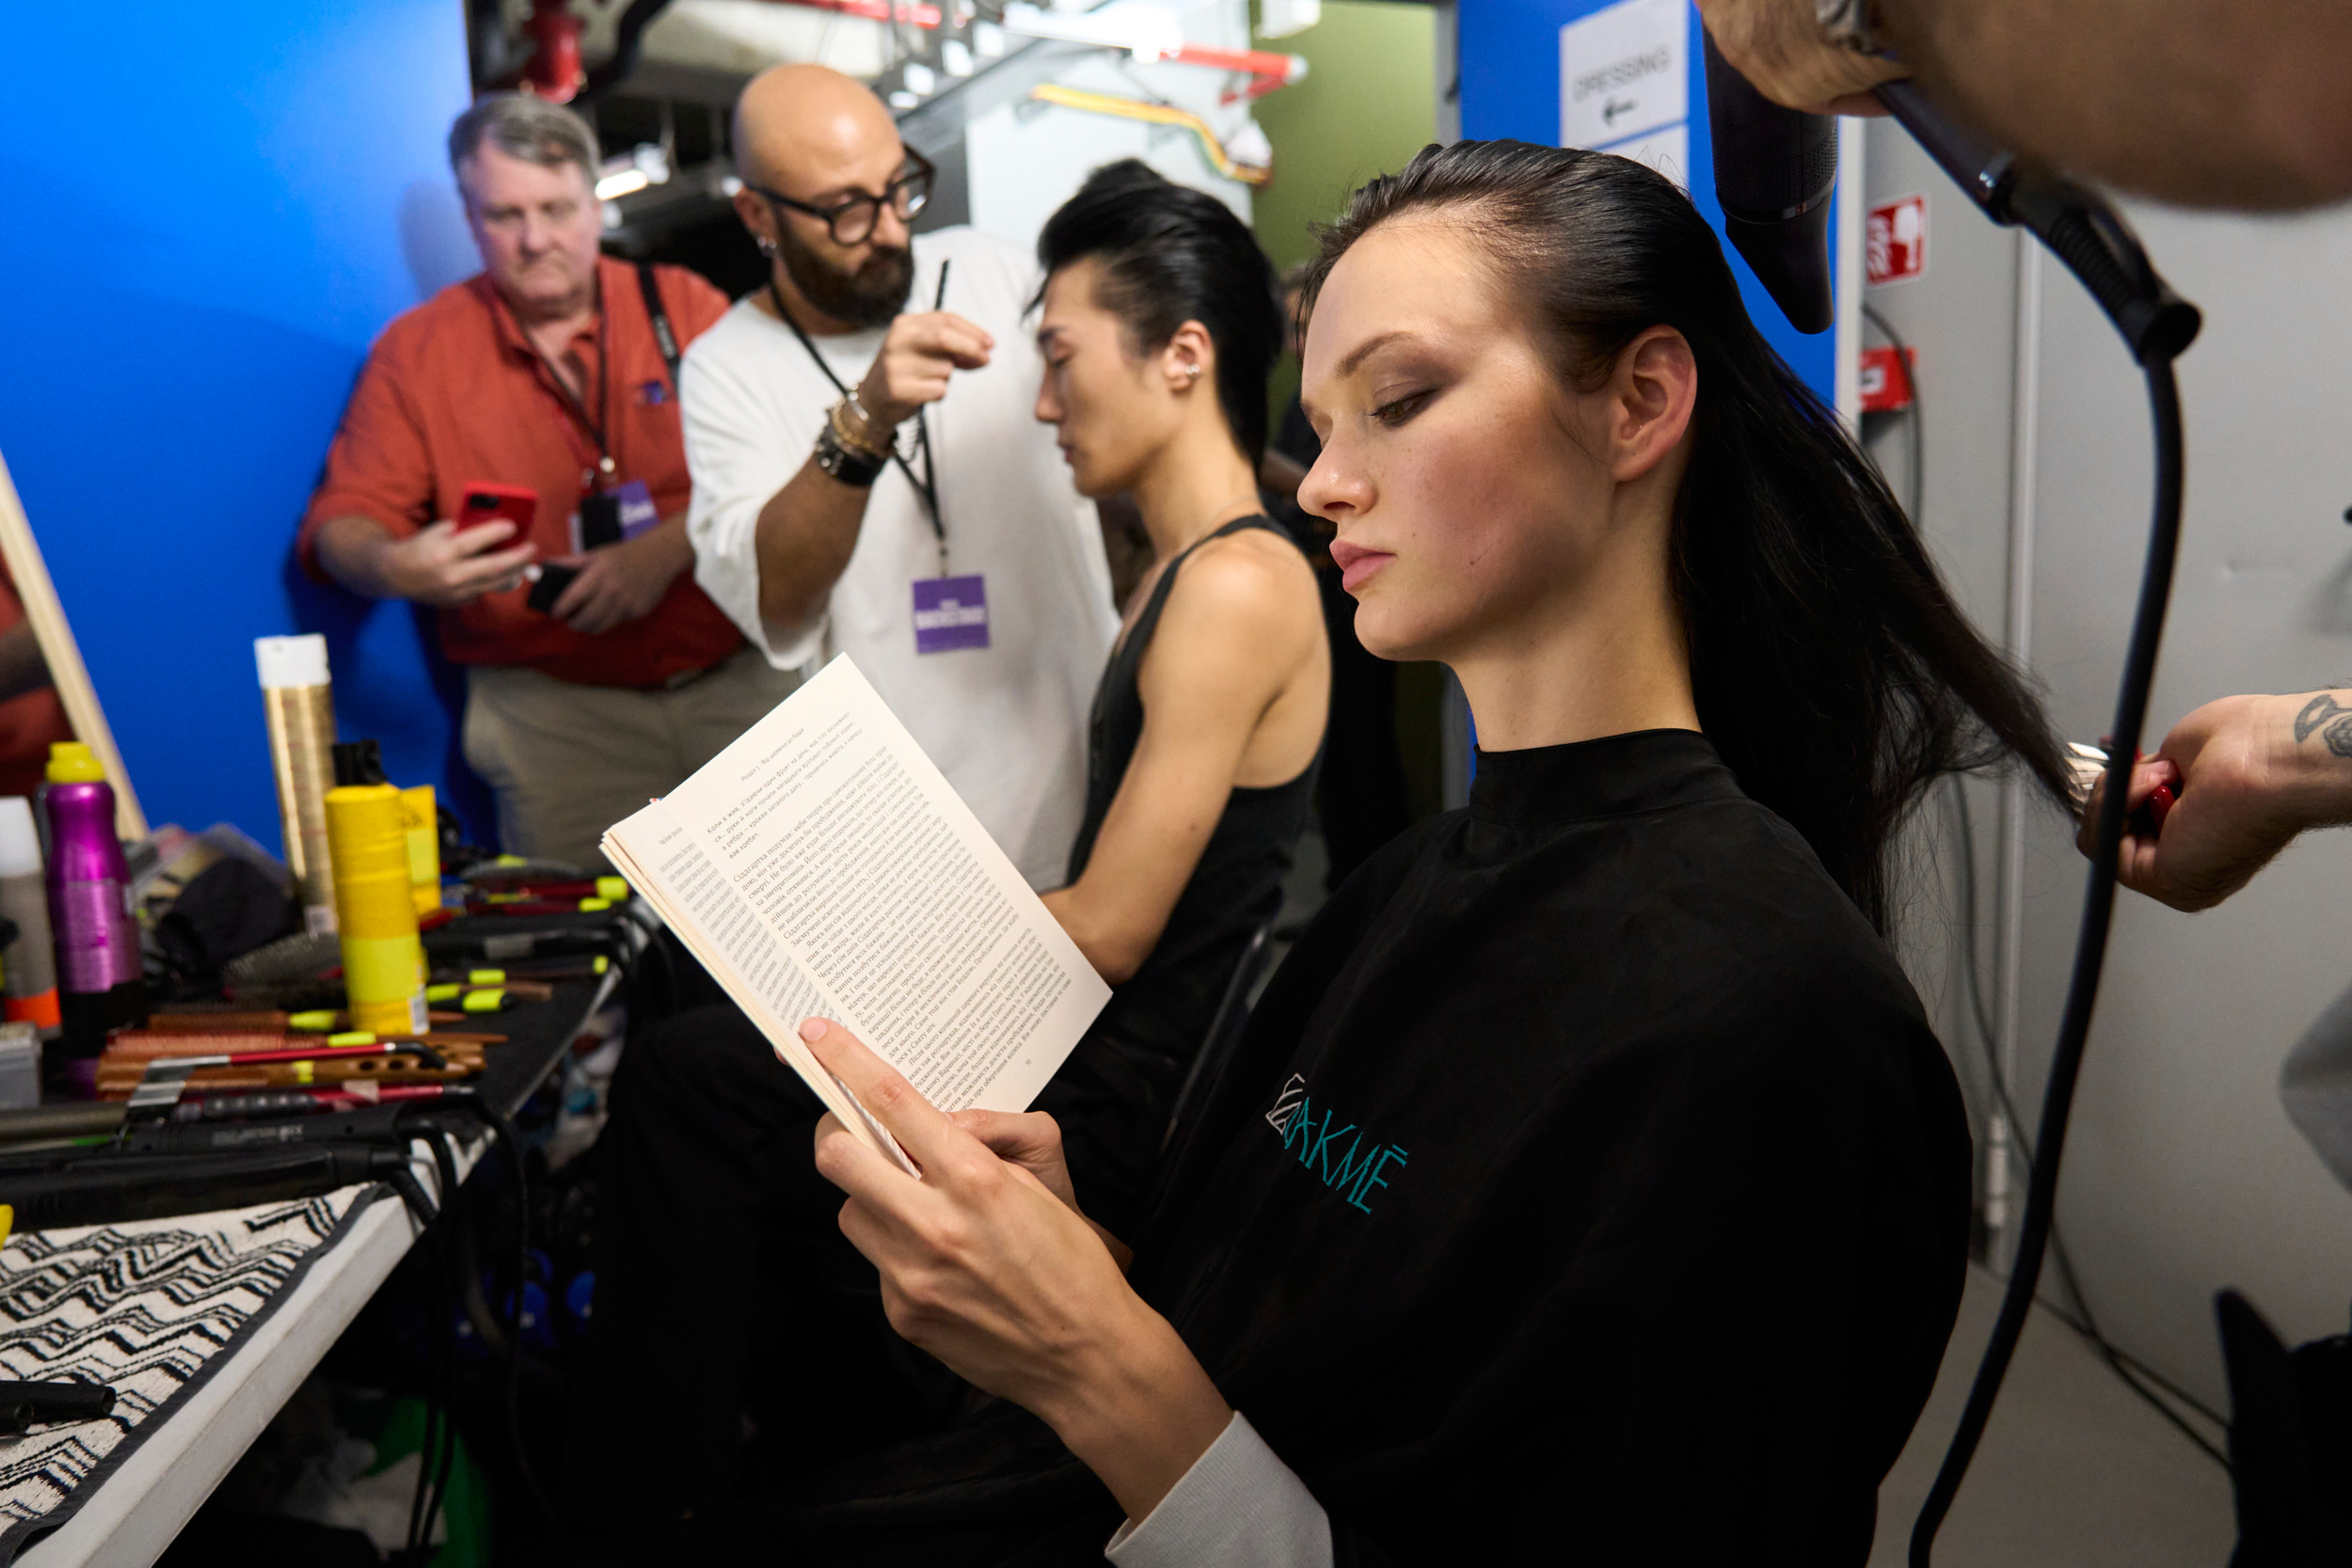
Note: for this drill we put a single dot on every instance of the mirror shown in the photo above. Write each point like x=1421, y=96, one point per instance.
x=29, y=575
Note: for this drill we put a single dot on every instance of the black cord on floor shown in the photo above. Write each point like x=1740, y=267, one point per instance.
x=503, y=1132
x=2082, y=993
x=507, y=1140
x=435, y=1408
x=2080, y=1319
x=2121, y=1362
x=444, y=1396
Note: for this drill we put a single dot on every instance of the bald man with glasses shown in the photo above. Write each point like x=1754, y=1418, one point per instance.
x=868, y=479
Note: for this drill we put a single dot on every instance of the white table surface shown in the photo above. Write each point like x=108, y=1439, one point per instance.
x=139, y=1508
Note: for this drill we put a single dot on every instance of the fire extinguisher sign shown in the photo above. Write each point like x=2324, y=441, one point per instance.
x=1895, y=240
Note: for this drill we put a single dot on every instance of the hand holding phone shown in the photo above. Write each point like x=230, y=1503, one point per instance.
x=485, y=502
x=547, y=581
x=446, y=565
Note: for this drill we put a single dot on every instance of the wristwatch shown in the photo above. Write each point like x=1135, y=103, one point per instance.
x=856, y=469
x=1851, y=24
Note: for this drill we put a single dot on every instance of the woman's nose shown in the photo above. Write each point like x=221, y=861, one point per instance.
x=1334, y=487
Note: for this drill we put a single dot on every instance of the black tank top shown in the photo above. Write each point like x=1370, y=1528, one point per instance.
x=1237, y=885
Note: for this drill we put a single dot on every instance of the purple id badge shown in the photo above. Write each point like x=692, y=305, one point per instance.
x=950, y=614
x=609, y=516
x=637, y=508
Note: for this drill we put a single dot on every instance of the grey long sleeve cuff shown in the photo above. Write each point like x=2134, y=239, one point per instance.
x=1238, y=1507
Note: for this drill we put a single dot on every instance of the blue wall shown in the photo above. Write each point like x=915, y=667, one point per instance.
x=211, y=211
x=1510, y=63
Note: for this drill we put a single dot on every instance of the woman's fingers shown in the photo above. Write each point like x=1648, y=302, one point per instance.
x=1022, y=1135
x=1030, y=1140
x=921, y=1128
x=852, y=1164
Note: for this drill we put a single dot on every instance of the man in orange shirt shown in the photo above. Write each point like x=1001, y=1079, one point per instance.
x=31, y=717
x=546, y=370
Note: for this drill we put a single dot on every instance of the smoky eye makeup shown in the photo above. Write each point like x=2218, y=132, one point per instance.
x=1397, y=410
x=1405, y=391
x=1404, y=380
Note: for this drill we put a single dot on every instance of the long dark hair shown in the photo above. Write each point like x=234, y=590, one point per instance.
x=1829, y=667
x=1169, y=255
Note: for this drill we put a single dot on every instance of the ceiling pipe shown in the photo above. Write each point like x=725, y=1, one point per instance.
x=627, y=43
x=553, y=72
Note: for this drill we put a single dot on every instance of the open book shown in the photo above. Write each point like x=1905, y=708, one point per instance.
x=821, y=865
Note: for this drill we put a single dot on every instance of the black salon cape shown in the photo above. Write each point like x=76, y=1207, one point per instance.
x=1590, y=1188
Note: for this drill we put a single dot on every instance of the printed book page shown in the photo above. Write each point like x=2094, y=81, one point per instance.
x=821, y=864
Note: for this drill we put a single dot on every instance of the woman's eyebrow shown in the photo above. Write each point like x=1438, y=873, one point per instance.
x=1363, y=351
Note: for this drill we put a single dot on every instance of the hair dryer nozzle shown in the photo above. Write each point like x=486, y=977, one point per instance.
x=1775, y=170
x=1789, y=256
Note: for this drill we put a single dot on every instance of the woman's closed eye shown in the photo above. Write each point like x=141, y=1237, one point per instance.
x=1397, y=411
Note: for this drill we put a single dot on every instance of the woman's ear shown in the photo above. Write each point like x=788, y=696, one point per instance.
x=1651, y=394
x=1189, y=359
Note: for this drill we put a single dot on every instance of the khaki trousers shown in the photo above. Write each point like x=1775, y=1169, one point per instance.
x=566, y=762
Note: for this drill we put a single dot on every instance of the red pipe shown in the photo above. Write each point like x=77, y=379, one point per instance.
x=1271, y=70
x=555, y=71
x=875, y=11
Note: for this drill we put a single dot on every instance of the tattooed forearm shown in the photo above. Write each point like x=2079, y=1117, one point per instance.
x=2324, y=710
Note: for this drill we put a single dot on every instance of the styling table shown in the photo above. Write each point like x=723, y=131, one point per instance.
x=206, y=1325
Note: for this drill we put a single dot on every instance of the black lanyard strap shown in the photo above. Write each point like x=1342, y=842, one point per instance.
x=664, y=336
x=926, y=487
x=596, y=427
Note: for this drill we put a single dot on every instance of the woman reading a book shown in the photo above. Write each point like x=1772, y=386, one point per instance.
x=1158, y=325
x=1589, y=1185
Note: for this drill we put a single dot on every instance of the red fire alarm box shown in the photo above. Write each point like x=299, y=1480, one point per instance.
x=1885, y=385
x=1895, y=240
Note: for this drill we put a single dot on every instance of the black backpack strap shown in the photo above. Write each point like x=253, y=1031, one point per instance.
x=662, y=333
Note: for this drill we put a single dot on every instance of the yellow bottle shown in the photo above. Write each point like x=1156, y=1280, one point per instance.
x=384, y=969
x=425, y=847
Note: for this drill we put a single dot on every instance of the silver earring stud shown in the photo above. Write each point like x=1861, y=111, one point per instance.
x=768, y=249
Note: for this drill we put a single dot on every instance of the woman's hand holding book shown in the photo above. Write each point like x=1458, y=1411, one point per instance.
x=987, y=1265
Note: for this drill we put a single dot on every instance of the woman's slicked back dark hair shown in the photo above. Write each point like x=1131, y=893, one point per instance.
x=1830, y=668
x=1170, y=254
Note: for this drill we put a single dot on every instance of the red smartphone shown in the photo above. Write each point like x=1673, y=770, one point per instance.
x=489, y=503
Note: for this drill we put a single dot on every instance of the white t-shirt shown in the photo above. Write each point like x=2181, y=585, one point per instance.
x=1006, y=724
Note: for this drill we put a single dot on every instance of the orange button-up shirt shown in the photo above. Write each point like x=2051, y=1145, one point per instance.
x=31, y=721
x=454, y=395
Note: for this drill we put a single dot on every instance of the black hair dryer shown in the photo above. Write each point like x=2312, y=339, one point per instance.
x=1774, y=171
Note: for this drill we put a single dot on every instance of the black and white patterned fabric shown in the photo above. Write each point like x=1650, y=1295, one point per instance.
x=150, y=1307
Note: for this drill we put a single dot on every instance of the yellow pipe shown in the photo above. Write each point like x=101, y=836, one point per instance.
x=1154, y=114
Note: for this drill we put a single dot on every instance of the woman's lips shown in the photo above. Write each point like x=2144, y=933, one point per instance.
x=1357, y=565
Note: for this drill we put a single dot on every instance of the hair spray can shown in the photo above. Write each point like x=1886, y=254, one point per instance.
x=300, y=708
x=30, y=961
x=102, y=984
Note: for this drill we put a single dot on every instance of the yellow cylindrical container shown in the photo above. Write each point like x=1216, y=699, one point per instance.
x=384, y=971
x=425, y=847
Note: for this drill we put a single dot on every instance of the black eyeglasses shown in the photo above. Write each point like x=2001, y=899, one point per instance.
x=850, y=221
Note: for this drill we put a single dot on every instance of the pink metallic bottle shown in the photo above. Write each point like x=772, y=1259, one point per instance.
x=101, y=980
